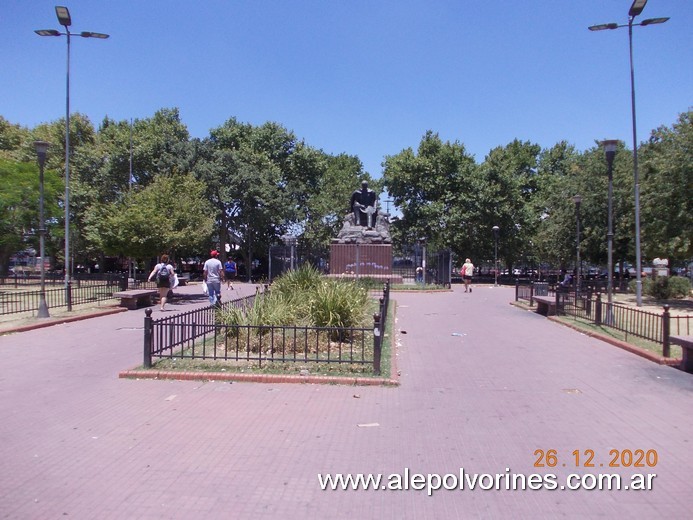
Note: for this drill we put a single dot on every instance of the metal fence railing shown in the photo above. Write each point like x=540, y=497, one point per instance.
x=198, y=335
x=21, y=280
x=76, y=293
x=648, y=325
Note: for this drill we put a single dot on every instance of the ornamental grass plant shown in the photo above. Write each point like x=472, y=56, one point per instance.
x=304, y=297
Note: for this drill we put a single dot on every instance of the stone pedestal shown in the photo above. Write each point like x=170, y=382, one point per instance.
x=374, y=260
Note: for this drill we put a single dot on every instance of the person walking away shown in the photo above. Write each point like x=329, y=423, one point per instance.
x=230, y=270
x=467, y=273
x=213, y=275
x=163, y=273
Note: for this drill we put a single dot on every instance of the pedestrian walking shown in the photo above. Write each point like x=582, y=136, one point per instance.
x=467, y=273
x=164, y=274
x=213, y=275
x=230, y=271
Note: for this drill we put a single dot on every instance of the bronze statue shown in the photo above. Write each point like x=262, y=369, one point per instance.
x=363, y=204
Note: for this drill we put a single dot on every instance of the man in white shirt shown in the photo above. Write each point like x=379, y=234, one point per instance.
x=467, y=273
x=213, y=275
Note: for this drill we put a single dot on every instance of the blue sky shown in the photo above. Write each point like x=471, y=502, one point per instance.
x=365, y=77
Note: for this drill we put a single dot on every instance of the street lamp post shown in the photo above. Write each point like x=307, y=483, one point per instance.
x=577, y=199
x=610, y=152
x=41, y=149
x=635, y=9
x=496, y=229
x=65, y=20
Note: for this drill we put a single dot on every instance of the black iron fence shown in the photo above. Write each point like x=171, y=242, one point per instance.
x=24, y=279
x=648, y=325
x=75, y=293
x=198, y=335
x=438, y=265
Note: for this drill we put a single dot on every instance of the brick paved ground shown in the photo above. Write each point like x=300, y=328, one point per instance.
x=77, y=442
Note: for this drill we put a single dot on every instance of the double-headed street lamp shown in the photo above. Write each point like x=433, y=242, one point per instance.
x=41, y=149
x=635, y=9
x=495, y=229
x=64, y=19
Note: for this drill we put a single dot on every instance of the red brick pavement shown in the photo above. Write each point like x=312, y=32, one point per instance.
x=78, y=442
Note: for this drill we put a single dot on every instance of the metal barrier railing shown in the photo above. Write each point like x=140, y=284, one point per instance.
x=197, y=335
x=650, y=326
x=15, y=302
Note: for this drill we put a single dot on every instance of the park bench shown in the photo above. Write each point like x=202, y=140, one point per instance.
x=183, y=279
x=133, y=298
x=686, y=344
x=546, y=305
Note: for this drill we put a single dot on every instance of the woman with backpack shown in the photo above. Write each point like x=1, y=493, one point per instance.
x=163, y=273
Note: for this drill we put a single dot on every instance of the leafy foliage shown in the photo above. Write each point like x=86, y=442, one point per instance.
x=172, y=214
x=304, y=297
x=665, y=287
x=19, y=208
x=261, y=182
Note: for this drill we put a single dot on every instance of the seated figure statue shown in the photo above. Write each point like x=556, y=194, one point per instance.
x=363, y=204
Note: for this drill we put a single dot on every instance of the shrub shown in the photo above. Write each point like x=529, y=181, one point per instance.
x=679, y=286
x=337, y=303
x=664, y=287
x=303, y=297
x=305, y=278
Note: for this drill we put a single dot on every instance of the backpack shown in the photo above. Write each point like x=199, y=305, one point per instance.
x=163, y=274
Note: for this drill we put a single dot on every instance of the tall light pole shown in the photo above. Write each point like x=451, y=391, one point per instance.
x=610, y=152
x=41, y=148
x=635, y=9
x=65, y=20
x=496, y=229
x=577, y=199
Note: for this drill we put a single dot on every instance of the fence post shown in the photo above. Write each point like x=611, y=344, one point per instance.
x=68, y=294
x=147, y=338
x=598, y=310
x=531, y=294
x=517, y=289
x=558, y=302
x=377, y=344
x=666, y=331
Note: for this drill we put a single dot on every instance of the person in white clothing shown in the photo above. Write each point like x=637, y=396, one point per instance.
x=213, y=275
x=467, y=273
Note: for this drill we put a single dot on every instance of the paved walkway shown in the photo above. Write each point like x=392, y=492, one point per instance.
x=484, y=385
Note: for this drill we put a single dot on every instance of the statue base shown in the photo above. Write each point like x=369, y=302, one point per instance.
x=362, y=260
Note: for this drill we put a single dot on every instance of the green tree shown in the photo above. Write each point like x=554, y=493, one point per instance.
x=12, y=137
x=19, y=207
x=170, y=215
x=553, y=210
x=508, y=184
x=667, y=191
x=434, y=189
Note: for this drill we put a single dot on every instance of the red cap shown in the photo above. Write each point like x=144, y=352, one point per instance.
x=214, y=252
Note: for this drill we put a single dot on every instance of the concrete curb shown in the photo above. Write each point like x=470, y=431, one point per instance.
x=633, y=349
x=254, y=378
x=60, y=321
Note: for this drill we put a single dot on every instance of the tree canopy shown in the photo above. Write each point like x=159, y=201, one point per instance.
x=143, y=187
